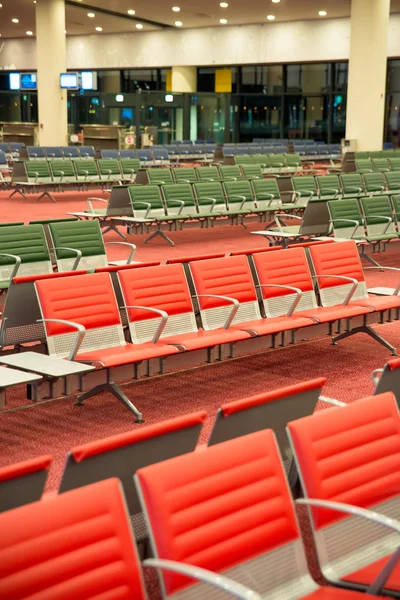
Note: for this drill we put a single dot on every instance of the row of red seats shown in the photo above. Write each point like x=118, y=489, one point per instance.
x=225, y=517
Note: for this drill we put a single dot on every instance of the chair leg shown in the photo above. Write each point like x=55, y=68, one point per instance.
x=115, y=391
x=112, y=227
x=45, y=193
x=369, y=331
x=160, y=233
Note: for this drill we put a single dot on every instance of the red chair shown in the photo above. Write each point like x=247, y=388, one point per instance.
x=388, y=379
x=23, y=482
x=351, y=455
x=187, y=259
x=229, y=509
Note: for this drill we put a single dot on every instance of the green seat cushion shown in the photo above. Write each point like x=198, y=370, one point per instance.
x=27, y=242
x=81, y=235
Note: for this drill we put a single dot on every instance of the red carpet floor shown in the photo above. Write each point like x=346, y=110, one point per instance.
x=29, y=430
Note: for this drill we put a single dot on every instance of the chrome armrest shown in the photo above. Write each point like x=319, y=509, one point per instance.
x=180, y=203
x=37, y=175
x=355, y=223
x=383, y=268
x=62, y=175
x=351, y=279
x=17, y=264
x=388, y=219
x=131, y=246
x=243, y=198
x=286, y=287
x=376, y=375
x=78, y=256
x=237, y=590
x=262, y=196
x=355, y=189
x=90, y=200
x=330, y=190
x=278, y=223
x=86, y=173
x=214, y=202
x=163, y=315
x=81, y=333
x=310, y=193
x=331, y=401
x=233, y=301
x=146, y=204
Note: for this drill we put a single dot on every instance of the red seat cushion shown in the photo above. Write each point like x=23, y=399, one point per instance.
x=379, y=302
x=124, y=355
x=206, y=339
x=274, y=325
x=333, y=313
x=333, y=593
x=368, y=574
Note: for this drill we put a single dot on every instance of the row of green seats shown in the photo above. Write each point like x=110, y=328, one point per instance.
x=271, y=162
x=211, y=173
x=368, y=165
x=378, y=154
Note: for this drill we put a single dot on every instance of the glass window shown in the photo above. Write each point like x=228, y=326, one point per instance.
x=308, y=78
x=340, y=76
x=260, y=116
x=393, y=76
x=163, y=78
x=264, y=79
x=339, y=118
x=136, y=80
x=206, y=79
x=393, y=119
x=210, y=117
x=10, y=107
x=306, y=117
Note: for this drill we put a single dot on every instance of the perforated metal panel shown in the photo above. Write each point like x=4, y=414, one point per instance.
x=143, y=331
x=276, y=307
x=24, y=334
x=380, y=228
x=337, y=294
x=352, y=543
x=213, y=318
x=87, y=262
x=95, y=339
x=268, y=205
x=29, y=268
x=277, y=575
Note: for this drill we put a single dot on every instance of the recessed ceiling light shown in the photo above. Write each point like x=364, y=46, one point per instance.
x=15, y=20
x=178, y=23
x=139, y=26
x=99, y=28
x=276, y=1
x=131, y=11
x=176, y=8
x=271, y=17
x=29, y=32
x=1, y=6
x=322, y=13
x=223, y=21
x=91, y=15
x=223, y=4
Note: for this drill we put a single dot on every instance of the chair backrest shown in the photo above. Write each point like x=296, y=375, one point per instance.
x=277, y=161
x=4, y=147
x=165, y=288
x=284, y=268
x=338, y=259
x=328, y=184
x=187, y=175
x=305, y=185
x=207, y=173
x=127, y=154
x=109, y=154
x=109, y=167
x=389, y=381
x=293, y=160
x=375, y=207
x=84, y=236
x=3, y=159
x=394, y=163
x=261, y=159
x=75, y=545
x=227, y=509
x=344, y=216
x=35, y=152
x=182, y=193
x=206, y=192
x=28, y=242
x=393, y=180
x=235, y=191
x=352, y=183
x=160, y=154
x=86, y=168
x=380, y=164
x=123, y=454
x=23, y=482
x=15, y=147
x=363, y=165
x=252, y=171
x=231, y=277
x=188, y=259
x=63, y=169
x=271, y=410
x=38, y=170
x=70, y=151
x=362, y=155
x=53, y=152
x=79, y=296
x=129, y=165
x=86, y=151
x=374, y=182
x=243, y=159
x=159, y=176
x=230, y=172
x=266, y=187
x=142, y=195
x=144, y=155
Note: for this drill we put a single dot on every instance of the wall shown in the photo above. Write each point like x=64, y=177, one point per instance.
x=300, y=41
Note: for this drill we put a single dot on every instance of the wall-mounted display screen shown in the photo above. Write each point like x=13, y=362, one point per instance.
x=28, y=81
x=69, y=81
x=15, y=81
x=89, y=80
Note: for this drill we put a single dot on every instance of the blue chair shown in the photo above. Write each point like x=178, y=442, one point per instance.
x=242, y=150
x=53, y=152
x=35, y=152
x=387, y=146
x=145, y=156
x=127, y=154
x=15, y=148
x=5, y=148
x=109, y=154
x=70, y=152
x=198, y=150
x=280, y=149
x=86, y=151
x=160, y=156
x=3, y=160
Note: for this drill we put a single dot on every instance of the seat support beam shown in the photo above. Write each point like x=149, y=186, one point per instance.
x=113, y=389
x=369, y=331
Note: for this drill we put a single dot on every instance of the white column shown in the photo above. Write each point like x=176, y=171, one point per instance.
x=184, y=79
x=366, y=96
x=51, y=61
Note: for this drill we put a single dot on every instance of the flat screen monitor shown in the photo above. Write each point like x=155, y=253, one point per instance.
x=69, y=81
x=28, y=81
x=15, y=81
x=88, y=80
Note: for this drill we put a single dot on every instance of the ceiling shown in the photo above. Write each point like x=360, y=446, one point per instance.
x=112, y=15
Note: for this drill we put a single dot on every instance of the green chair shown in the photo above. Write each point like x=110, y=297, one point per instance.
x=329, y=186
x=361, y=155
x=267, y=194
x=380, y=164
x=23, y=251
x=293, y=162
x=394, y=164
x=230, y=173
x=37, y=175
x=375, y=154
x=251, y=172
x=352, y=185
x=210, y=199
x=346, y=219
x=129, y=168
x=379, y=219
x=244, y=159
x=207, y=173
x=397, y=152
x=305, y=188
x=86, y=171
x=388, y=153
x=239, y=196
x=62, y=171
x=277, y=163
x=392, y=179
x=109, y=169
x=179, y=200
x=396, y=209
x=364, y=165
x=146, y=202
x=373, y=183
x=182, y=175
x=80, y=244
x=159, y=176
x=262, y=160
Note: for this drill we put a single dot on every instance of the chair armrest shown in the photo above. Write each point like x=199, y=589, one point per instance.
x=78, y=256
x=180, y=203
x=164, y=319
x=233, y=301
x=146, y=204
x=355, y=189
x=376, y=375
x=331, y=401
x=37, y=175
x=355, y=223
x=81, y=333
x=17, y=264
x=85, y=173
x=90, y=200
x=131, y=246
x=350, y=279
x=388, y=219
x=243, y=199
x=330, y=190
x=309, y=193
x=382, y=268
x=286, y=287
x=214, y=202
x=278, y=223
x=237, y=590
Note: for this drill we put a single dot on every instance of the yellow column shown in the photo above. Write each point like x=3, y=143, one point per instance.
x=51, y=61
x=184, y=79
x=367, y=73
